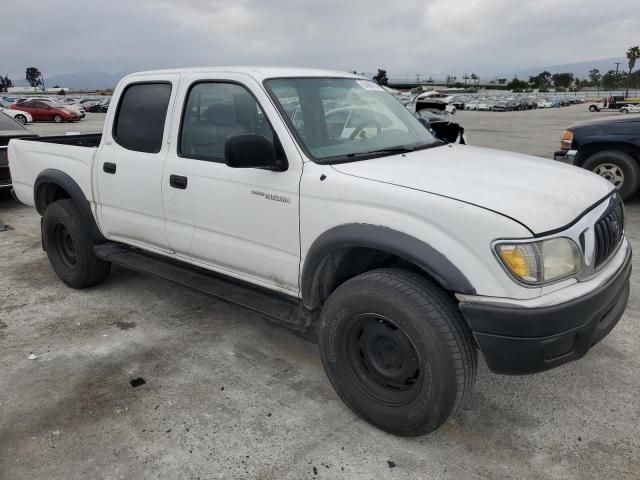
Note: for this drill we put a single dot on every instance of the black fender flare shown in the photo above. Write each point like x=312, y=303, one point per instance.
x=52, y=176
x=409, y=248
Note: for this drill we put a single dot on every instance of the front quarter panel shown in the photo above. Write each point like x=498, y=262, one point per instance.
x=461, y=232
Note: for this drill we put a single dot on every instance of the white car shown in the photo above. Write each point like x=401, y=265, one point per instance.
x=18, y=115
x=400, y=254
x=630, y=108
x=484, y=105
x=472, y=105
x=545, y=103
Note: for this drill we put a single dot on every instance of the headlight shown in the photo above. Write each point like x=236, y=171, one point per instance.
x=537, y=263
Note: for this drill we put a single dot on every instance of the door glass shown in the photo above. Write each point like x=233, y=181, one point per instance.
x=139, y=123
x=215, y=111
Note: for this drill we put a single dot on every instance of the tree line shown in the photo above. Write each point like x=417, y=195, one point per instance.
x=33, y=76
x=610, y=80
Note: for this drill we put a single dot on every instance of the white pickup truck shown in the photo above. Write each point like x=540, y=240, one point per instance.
x=404, y=255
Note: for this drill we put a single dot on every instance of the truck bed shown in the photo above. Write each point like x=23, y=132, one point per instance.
x=70, y=154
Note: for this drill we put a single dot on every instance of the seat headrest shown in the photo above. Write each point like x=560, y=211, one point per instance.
x=221, y=115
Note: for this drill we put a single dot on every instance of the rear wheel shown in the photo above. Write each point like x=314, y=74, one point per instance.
x=70, y=247
x=593, y=108
x=397, y=351
x=620, y=168
x=57, y=118
x=21, y=119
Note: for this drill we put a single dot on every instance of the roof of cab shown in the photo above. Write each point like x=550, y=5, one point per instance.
x=258, y=73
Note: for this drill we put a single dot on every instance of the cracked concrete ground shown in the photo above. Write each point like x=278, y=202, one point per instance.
x=229, y=395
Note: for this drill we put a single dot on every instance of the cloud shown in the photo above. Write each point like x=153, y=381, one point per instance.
x=430, y=37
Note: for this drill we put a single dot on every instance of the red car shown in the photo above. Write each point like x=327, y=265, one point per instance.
x=43, y=111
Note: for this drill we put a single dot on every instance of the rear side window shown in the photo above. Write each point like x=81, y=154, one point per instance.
x=139, y=122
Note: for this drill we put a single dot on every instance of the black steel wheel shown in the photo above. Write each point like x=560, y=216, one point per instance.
x=382, y=359
x=69, y=246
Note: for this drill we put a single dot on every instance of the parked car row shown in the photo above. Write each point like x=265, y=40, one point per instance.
x=442, y=100
x=51, y=109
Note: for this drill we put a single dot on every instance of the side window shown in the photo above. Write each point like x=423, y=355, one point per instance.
x=139, y=121
x=215, y=111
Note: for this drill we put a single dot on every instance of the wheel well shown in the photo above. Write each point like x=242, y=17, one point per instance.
x=48, y=193
x=593, y=148
x=345, y=263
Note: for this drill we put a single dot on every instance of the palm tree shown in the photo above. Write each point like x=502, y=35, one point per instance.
x=633, y=54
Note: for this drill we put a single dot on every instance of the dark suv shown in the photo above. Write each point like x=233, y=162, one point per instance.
x=609, y=147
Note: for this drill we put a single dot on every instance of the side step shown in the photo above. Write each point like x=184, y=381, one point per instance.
x=276, y=307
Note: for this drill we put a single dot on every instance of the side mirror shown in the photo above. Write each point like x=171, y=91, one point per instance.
x=250, y=150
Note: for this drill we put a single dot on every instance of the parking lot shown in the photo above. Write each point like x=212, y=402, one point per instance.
x=228, y=395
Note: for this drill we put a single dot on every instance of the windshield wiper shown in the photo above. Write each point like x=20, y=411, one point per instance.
x=398, y=149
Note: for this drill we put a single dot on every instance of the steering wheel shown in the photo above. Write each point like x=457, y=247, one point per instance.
x=363, y=125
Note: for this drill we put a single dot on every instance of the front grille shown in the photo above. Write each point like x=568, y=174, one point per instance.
x=608, y=232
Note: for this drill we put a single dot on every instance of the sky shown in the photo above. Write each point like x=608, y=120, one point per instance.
x=429, y=37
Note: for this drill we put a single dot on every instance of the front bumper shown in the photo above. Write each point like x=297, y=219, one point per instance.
x=566, y=156
x=517, y=340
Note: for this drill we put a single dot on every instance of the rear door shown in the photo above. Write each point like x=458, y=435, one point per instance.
x=130, y=161
x=36, y=113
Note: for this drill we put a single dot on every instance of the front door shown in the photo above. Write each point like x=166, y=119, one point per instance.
x=241, y=221
x=130, y=163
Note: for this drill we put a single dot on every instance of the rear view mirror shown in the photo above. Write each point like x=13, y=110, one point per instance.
x=250, y=150
x=424, y=122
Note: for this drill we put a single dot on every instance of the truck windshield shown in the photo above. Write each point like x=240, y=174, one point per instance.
x=345, y=119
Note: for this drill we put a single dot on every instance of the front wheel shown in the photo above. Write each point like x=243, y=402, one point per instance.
x=21, y=119
x=620, y=168
x=57, y=118
x=593, y=108
x=70, y=248
x=397, y=351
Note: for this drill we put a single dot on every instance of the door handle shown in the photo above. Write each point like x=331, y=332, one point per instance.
x=178, y=181
x=108, y=167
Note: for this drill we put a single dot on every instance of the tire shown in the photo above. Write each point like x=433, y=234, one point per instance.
x=20, y=119
x=593, y=108
x=57, y=118
x=397, y=351
x=625, y=111
x=70, y=247
x=619, y=168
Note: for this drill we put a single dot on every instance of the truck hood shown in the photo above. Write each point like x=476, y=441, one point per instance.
x=541, y=194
